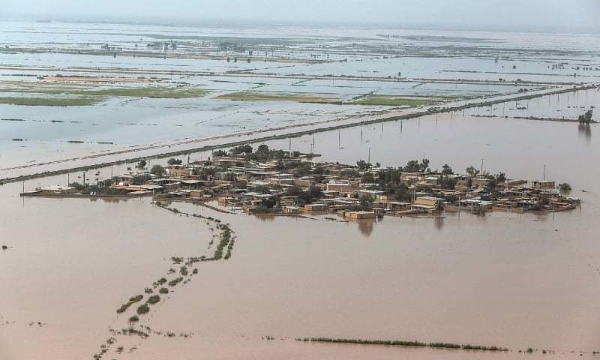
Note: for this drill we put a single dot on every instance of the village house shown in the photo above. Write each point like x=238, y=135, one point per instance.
x=543, y=185
x=427, y=204
x=341, y=186
x=317, y=207
x=179, y=171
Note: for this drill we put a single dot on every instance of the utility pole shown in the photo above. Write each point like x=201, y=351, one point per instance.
x=369, y=161
x=544, y=171
x=481, y=169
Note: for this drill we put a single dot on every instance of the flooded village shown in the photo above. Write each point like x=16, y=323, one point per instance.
x=276, y=182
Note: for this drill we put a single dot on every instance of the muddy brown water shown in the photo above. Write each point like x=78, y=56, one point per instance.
x=503, y=279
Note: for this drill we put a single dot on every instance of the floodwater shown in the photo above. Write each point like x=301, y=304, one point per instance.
x=510, y=280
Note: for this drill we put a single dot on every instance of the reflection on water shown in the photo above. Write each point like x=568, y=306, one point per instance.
x=366, y=226
x=265, y=218
x=585, y=131
x=439, y=222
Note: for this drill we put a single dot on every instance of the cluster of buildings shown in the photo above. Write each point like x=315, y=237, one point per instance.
x=234, y=184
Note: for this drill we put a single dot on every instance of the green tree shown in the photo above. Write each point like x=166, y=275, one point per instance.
x=366, y=202
x=140, y=179
x=412, y=166
x=173, y=161
x=246, y=149
x=500, y=178
x=303, y=169
x=363, y=165
x=587, y=117
x=472, y=171
x=263, y=148
x=401, y=193
x=447, y=170
x=367, y=178
x=447, y=183
x=157, y=170
x=564, y=188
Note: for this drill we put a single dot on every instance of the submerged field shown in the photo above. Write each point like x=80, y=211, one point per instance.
x=137, y=86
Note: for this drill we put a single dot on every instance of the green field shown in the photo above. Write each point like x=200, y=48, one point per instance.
x=391, y=100
x=295, y=97
x=69, y=95
x=51, y=101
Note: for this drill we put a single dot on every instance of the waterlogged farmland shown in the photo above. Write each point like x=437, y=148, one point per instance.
x=73, y=89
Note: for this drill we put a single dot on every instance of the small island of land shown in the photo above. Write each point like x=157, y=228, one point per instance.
x=278, y=182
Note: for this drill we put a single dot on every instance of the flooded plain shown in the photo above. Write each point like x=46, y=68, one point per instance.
x=510, y=280
x=65, y=88
x=503, y=279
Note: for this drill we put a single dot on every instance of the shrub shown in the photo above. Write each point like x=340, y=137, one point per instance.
x=143, y=309
x=175, y=282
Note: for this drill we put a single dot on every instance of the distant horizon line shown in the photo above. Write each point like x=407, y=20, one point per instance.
x=362, y=25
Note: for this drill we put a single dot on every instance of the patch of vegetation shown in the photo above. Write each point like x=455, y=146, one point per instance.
x=173, y=161
x=163, y=291
x=140, y=179
x=160, y=281
x=51, y=101
x=294, y=97
x=586, y=118
x=405, y=343
x=153, y=299
x=133, y=331
x=174, y=282
x=134, y=318
x=183, y=271
x=391, y=100
x=564, y=188
x=225, y=238
x=157, y=92
x=143, y=309
x=131, y=301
